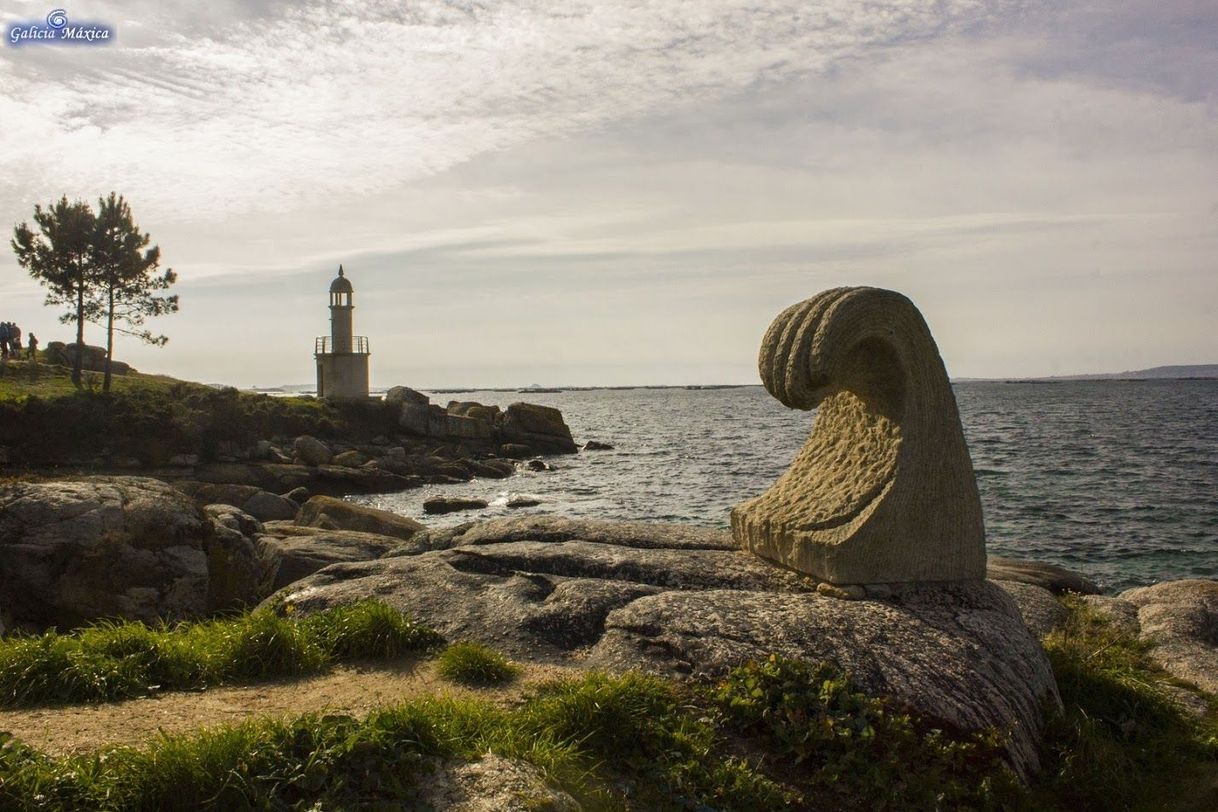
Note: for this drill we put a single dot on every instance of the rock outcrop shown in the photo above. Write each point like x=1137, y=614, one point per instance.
x=681, y=600
x=298, y=552
x=534, y=429
x=1180, y=621
x=335, y=514
x=883, y=490
x=262, y=505
x=1057, y=580
x=81, y=549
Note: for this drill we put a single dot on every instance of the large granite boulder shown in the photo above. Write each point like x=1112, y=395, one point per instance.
x=1180, y=621
x=335, y=514
x=81, y=549
x=883, y=490
x=681, y=601
x=538, y=427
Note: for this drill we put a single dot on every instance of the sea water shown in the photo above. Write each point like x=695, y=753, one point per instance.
x=1116, y=479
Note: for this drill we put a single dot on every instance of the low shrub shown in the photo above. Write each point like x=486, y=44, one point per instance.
x=475, y=664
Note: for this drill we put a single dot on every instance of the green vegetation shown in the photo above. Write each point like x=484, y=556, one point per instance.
x=98, y=266
x=152, y=418
x=772, y=735
x=847, y=750
x=475, y=664
x=119, y=660
x=1120, y=741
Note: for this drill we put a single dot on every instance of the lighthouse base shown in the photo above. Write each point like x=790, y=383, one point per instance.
x=342, y=375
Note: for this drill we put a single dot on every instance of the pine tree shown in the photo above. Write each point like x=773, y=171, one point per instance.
x=60, y=257
x=127, y=278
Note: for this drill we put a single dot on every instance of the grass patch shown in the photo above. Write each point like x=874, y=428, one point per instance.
x=1120, y=742
x=780, y=734
x=112, y=661
x=474, y=664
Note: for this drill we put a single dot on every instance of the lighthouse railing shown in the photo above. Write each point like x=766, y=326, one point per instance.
x=324, y=345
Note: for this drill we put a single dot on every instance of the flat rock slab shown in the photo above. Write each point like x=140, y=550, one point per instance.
x=1057, y=580
x=681, y=601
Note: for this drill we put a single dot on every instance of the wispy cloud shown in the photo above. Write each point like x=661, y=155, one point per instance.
x=346, y=98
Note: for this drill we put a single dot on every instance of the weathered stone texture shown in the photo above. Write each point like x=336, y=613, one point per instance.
x=75, y=550
x=680, y=600
x=336, y=514
x=883, y=491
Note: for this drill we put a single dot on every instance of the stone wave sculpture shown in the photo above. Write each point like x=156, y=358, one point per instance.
x=883, y=490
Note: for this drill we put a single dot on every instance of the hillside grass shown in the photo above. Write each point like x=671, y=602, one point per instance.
x=111, y=661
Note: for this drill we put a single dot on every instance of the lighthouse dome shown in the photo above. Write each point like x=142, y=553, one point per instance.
x=340, y=284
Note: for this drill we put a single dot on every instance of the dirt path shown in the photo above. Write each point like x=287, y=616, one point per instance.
x=354, y=690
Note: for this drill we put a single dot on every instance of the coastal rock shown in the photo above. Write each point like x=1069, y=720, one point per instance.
x=404, y=394
x=75, y=550
x=312, y=451
x=302, y=551
x=452, y=504
x=240, y=572
x=1040, y=610
x=596, y=445
x=350, y=459
x=262, y=505
x=516, y=451
x=540, y=427
x=266, y=506
x=337, y=514
x=680, y=600
x=332, y=480
x=1180, y=620
x=414, y=418
x=537, y=465
x=515, y=502
x=1057, y=580
x=883, y=490
x=492, y=469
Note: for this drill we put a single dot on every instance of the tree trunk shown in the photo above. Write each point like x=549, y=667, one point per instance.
x=78, y=361
x=109, y=339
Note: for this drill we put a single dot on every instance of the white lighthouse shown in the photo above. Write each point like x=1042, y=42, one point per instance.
x=342, y=358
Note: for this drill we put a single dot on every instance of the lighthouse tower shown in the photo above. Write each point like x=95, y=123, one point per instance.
x=342, y=358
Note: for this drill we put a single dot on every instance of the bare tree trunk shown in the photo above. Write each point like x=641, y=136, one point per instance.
x=109, y=339
x=78, y=361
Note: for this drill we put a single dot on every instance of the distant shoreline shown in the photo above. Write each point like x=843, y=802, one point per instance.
x=1127, y=377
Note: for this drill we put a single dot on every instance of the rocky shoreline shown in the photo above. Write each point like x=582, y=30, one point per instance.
x=677, y=600
x=415, y=443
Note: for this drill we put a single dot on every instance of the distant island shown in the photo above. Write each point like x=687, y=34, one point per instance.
x=1163, y=373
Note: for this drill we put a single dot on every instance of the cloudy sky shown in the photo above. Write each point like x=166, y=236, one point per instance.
x=628, y=192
